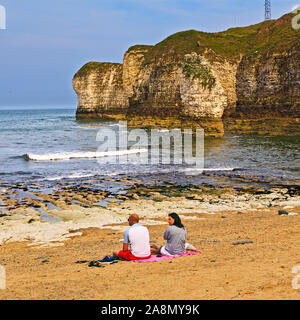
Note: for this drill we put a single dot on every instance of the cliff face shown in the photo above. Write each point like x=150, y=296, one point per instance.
x=100, y=91
x=132, y=65
x=269, y=85
x=205, y=87
x=202, y=77
x=268, y=80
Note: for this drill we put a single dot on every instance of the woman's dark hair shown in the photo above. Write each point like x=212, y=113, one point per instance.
x=177, y=221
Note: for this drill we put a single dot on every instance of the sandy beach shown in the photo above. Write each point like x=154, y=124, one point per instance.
x=260, y=269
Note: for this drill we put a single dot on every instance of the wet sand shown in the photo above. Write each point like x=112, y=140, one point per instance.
x=258, y=270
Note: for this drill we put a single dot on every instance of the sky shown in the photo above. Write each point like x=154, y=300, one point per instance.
x=46, y=42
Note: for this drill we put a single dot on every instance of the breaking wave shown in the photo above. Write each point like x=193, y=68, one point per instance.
x=79, y=155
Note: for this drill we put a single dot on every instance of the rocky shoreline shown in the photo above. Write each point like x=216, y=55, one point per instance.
x=49, y=218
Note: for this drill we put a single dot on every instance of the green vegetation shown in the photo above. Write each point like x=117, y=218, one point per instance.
x=140, y=47
x=193, y=68
x=268, y=36
x=273, y=36
x=92, y=66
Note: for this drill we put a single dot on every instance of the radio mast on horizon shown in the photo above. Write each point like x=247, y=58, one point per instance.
x=268, y=15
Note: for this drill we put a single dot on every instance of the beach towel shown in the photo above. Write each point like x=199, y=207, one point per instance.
x=155, y=257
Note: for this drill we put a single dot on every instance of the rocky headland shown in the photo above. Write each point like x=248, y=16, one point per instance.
x=244, y=80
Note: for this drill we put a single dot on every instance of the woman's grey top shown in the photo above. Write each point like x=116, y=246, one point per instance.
x=176, y=238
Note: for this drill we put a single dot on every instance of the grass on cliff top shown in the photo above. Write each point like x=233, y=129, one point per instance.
x=272, y=36
x=267, y=36
x=93, y=65
x=140, y=48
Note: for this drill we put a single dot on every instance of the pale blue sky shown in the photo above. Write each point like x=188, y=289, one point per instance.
x=46, y=42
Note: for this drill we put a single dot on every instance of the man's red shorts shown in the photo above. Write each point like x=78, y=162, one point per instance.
x=127, y=255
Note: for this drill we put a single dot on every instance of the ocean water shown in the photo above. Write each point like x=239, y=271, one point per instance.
x=47, y=146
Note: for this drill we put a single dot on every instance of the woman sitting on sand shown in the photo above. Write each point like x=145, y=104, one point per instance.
x=175, y=235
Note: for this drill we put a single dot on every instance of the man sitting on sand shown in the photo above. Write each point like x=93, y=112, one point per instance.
x=137, y=236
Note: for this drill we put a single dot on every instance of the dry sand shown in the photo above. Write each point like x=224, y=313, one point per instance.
x=258, y=270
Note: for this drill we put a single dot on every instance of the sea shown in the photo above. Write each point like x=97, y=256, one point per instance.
x=47, y=146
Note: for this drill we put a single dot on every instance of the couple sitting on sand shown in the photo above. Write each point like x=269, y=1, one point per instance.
x=137, y=236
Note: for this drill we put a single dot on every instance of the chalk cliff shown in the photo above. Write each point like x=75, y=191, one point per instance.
x=100, y=92
x=205, y=78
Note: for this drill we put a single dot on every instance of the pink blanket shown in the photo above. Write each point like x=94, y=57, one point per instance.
x=154, y=257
